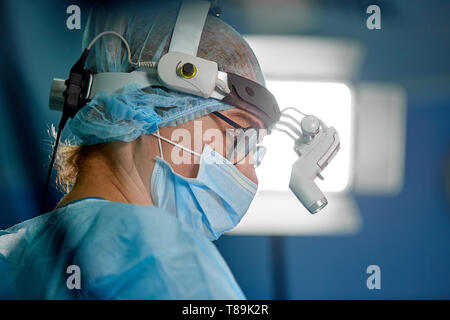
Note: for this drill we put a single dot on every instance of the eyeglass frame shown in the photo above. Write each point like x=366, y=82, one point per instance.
x=237, y=127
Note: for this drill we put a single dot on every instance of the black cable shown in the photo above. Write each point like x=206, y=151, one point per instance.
x=73, y=101
x=50, y=169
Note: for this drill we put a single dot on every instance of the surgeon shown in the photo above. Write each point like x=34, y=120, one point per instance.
x=137, y=222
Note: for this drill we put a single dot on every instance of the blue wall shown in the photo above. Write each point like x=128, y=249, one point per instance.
x=406, y=235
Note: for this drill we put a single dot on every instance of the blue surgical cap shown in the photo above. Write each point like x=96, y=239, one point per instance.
x=135, y=110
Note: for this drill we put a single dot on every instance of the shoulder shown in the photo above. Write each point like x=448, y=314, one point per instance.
x=124, y=251
x=154, y=256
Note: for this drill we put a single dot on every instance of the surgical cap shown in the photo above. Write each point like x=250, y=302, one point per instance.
x=134, y=111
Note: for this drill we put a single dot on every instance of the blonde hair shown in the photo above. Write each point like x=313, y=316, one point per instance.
x=67, y=165
x=68, y=161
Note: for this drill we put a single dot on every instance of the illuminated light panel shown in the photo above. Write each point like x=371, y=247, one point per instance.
x=330, y=102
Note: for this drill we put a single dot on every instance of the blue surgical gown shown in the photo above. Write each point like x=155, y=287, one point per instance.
x=123, y=251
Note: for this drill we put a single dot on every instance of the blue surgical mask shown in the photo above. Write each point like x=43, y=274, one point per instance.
x=213, y=202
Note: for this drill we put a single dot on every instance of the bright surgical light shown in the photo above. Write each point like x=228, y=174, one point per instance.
x=331, y=102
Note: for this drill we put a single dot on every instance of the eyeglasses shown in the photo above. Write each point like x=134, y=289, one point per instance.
x=242, y=142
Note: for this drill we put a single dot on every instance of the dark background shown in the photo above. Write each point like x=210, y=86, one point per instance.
x=407, y=235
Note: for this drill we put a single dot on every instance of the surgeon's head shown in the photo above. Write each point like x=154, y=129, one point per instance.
x=115, y=132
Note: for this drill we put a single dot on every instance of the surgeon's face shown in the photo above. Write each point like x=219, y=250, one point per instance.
x=200, y=137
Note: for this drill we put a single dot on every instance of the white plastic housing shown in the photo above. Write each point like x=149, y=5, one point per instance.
x=202, y=84
x=314, y=157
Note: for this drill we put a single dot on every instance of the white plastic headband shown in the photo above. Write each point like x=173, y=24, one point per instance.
x=189, y=27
